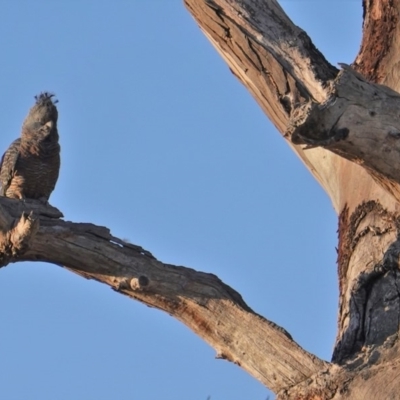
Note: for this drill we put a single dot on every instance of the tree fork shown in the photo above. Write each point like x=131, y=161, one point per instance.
x=360, y=121
x=317, y=111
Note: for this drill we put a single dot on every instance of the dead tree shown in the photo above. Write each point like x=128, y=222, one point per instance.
x=343, y=125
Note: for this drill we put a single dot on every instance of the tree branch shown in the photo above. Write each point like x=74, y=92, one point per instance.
x=282, y=69
x=266, y=51
x=359, y=122
x=201, y=301
x=379, y=56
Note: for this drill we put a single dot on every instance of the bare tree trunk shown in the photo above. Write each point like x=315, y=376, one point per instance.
x=343, y=125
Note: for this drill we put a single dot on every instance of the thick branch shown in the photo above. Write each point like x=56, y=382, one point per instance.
x=360, y=122
x=282, y=69
x=379, y=56
x=274, y=58
x=201, y=301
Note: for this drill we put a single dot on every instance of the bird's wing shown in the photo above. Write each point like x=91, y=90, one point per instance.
x=7, y=165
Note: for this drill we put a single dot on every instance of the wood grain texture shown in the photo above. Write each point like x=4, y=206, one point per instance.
x=292, y=81
x=360, y=122
x=379, y=56
x=279, y=65
x=210, y=308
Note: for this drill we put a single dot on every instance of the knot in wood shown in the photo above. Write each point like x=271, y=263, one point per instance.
x=139, y=283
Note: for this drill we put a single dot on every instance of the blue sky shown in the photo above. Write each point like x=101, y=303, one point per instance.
x=164, y=146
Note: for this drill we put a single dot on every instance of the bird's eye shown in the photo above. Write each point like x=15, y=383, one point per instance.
x=35, y=125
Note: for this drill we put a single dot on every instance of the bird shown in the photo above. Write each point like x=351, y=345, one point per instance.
x=30, y=166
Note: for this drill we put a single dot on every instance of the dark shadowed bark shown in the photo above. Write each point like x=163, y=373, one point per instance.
x=343, y=124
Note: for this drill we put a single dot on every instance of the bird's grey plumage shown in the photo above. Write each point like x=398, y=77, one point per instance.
x=29, y=168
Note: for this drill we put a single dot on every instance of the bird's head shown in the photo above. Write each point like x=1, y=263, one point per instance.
x=42, y=112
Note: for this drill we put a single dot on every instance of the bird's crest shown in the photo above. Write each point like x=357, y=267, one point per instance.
x=43, y=110
x=44, y=97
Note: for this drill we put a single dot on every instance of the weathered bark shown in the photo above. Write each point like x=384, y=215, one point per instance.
x=360, y=122
x=201, y=301
x=16, y=234
x=283, y=70
x=344, y=129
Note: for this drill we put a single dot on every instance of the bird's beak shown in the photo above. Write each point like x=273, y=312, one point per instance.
x=48, y=128
x=49, y=124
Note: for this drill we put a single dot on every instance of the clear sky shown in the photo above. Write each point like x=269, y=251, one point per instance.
x=164, y=146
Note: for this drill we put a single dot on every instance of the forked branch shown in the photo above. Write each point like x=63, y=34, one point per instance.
x=282, y=69
x=360, y=122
